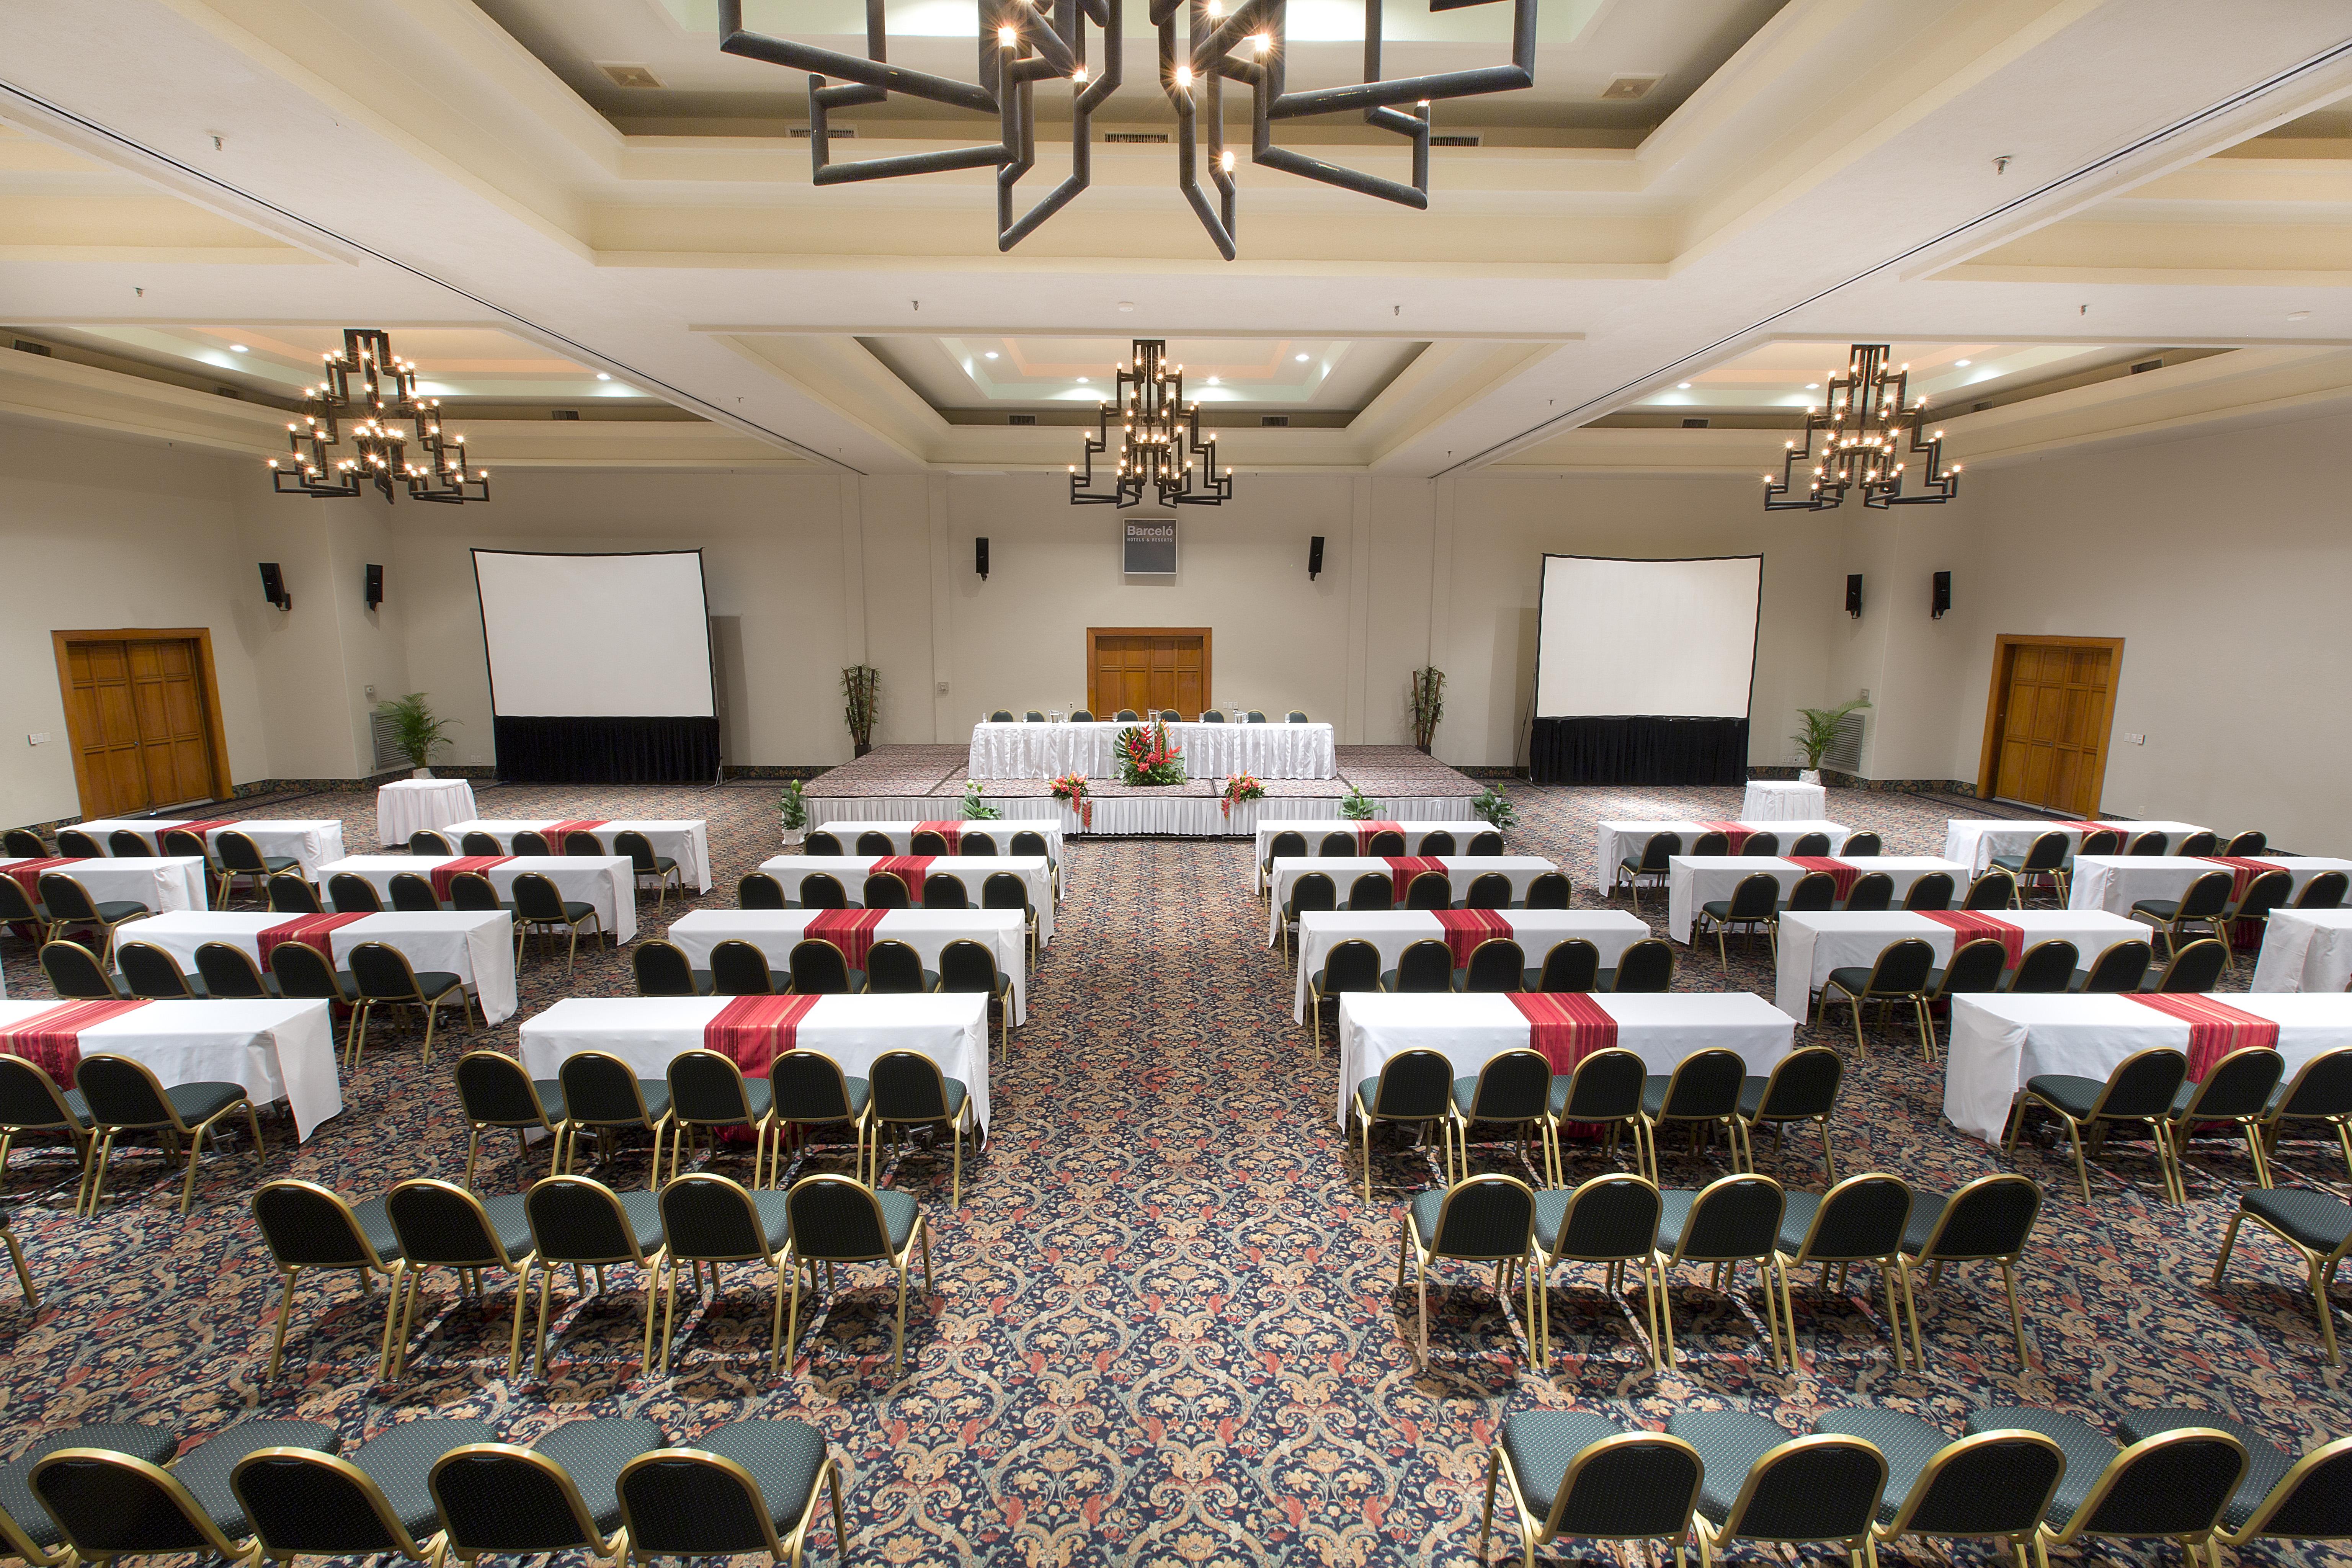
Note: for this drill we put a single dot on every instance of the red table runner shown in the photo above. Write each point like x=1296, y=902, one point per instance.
x=852, y=931
x=204, y=830
x=1735, y=837
x=2122, y=830
x=1565, y=1025
x=315, y=931
x=912, y=870
x=28, y=873
x=2245, y=870
x=1465, y=929
x=1368, y=826
x=1847, y=875
x=555, y=831
x=52, y=1040
x=448, y=871
x=752, y=1031
x=1405, y=867
x=2215, y=1028
x=950, y=832
x=1968, y=926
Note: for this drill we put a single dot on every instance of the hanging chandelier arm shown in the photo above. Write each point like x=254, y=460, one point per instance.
x=734, y=40
x=1009, y=233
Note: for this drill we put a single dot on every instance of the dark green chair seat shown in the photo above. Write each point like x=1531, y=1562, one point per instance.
x=2161, y=910
x=205, y=1469
x=593, y=1452
x=201, y=1101
x=2319, y=1220
x=1542, y=1443
x=511, y=1222
x=399, y=1460
x=1730, y=1442
x=899, y=1210
x=112, y=909
x=1854, y=980
x=2074, y=1096
x=783, y=1456
x=1718, y=909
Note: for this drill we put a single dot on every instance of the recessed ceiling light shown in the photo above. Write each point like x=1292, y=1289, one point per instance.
x=990, y=354
x=1082, y=381
x=1963, y=364
x=1214, y=381
x=1682, y=386
x=1812, y=386
x=604, y=375
x=237, y=348
x=1300, y=358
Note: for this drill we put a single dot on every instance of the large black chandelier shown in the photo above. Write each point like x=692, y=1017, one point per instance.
x=1024, y=42
x=373, y=392
x=1160, y=442
x=1862, y=425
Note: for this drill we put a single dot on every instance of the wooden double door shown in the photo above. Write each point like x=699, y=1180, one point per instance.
x=1148, y=668
x=2046, y=724
x=143, y=719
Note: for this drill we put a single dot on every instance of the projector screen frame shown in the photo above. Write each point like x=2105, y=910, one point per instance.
x=474, y=555
x=1755, y=633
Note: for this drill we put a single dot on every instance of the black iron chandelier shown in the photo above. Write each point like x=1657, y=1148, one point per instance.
x=1159, y=441
x=1862, y=425
x=1024, y=42
x=373, y=390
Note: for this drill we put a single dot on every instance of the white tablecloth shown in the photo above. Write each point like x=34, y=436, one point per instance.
x=477, y=946
x=972, y=870
x=1974, y=841
x=773, y=933
x=901, y=834
x=274, y=1051
x=1343, y=870
x=1783, y=800
x=2117, y=882
x=1210, y=750
x=2306, y=950
x=949, y=1027
x=172, y=882
x=607, y=882
x=1814, y=944
x=686, y=841
x=2000, y=1041
x=1695, y=881
x=405, y=805
x=313, y=843
x=1536, y=931
x=1616, y=842
x=1314, y=829
x=1661, y=1028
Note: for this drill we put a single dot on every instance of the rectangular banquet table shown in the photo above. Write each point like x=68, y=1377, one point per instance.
x=1694, y=881
x=686, y=841
x=2000, y=1041
x=902, y=834
x=274, y=1050
x=1394, y=930
x=1814, y=943
x=1661, y=1028
x=607, y=881
x=311, y=843
x=1314, y=829
x=1974, y=841
x=476, y=945
x=949, y=1027
x=1210, y=750
x=1617, y=842
x=2117, y=882
x=1343, y=870
x=1782, y=800
x=973, y=871
x=2306, y=950
x=773, y=933
x=167, y=882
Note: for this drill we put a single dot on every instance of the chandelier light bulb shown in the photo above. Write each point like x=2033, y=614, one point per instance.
x=1185, y=77
x=1007, y=36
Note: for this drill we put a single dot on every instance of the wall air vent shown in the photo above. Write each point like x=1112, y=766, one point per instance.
x=1275, y=421
x=1021, y=419
x=2144, y=366
x=1844, y=755
x=803, y=133
x=1694, y=424
x=628, y=76
x=27, y=346
x=564, y=413
x=1626, y=87
x=1138, y=138
x=1471, y=140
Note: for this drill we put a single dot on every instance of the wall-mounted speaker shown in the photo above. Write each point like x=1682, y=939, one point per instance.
x=980, y=556
x=1853, y=594
x=1314, y=557
x=273, y=586
x=1942, y=599
x=374, y=589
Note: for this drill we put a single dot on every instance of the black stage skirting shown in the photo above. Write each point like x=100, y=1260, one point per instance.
x=1640, y=750
x=608, y=751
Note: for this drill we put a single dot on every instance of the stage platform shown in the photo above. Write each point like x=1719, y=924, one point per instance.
x=900, y=783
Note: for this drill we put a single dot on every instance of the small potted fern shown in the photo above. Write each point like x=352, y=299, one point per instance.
x=416, y=732
x=793, y=809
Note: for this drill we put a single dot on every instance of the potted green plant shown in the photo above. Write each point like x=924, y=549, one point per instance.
x=1428, y=698
x=1358, y=806
x=415, y=731
x=1496, y=808
x=861, y=691
x=975, y=804
x=793, y=809
x=1819, y=734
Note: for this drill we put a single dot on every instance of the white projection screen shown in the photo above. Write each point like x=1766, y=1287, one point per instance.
x=596, y=636
x=1666, y=638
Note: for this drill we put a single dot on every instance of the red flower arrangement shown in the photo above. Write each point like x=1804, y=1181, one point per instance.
x=1070, y=789
x=1241, y=787
x=1146, y=757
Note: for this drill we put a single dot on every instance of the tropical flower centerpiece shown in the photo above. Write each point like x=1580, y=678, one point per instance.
x=1496, y=808
x=976, y=809
x=1358, y=806
x=1241, y=787
x=1146, y=756
x=1070, y=789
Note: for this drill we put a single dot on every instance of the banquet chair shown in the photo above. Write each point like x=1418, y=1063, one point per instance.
x=124, y=845
x=2195, y=968
x=27, y=1530
x=820, y=842
x=1702, y=1091
x=1859, y=846
x=1125, y=716
x=290, y=895
x=1001, y=716
x=870, y=842
x=910, y=1090
x=73, y=844
x=1573, y=964
x=2253, y=841
x=240, y=857
x=69, y=903
x=1414, y=1088
x=1350, y=965
x=2200, y=903
x=2139, y=1090
x=1611, y=1219
x=1484, y=842
x=737, y=968
x=1994, y=1485
x=1488, y=890
x=539, y=906
x=478, y=843
x=759, y=890
x=1932, y=892
x=1373, y=890
x=2171, y=1485
x=1814, y=892
x=1754, y=904
x=1336, y=845
x=494, y=1091
x=1764, y=1486
x=2322, y=1092
x=2045, y=860
x=1647, y=965
x=1650, y=864
x=2151, y=844
x=1858, y=1220
x=1481, y=1219
x=74, y=974
x=1711, y=844
x=305, y=974
x=2269, y=890
x=376, y=1502
x=966, y=965
x=1028, y=841
x=663, y=969
x=152, y=974
x=2318, y=1225
x=1430, y=890
x=2201, y=843
x=895, y=969
x=587, y=1225
x=1975, y=970
x=307, y=1225
x=808, y=1090
x=748, y=1487
x=18, y=907
x=1082, y=716
x=2324, y=891
x=2047, y=968
x=2283, y=1498
x=1426, y=965
x=1437, y=841
x=556, y=1495
x=2234, y=1093
x=1007, y=890
x=922, y=841
x=1898, y=974
x=1387, y=841
x=2099, y=841
x=580, y=841
x=109, y=1505
x=708, y=1091
x=822, y=891
x=1760, y=843
x=530, y=841
x=643, y=863
x=1296, y=716
x=818, y=968
x=1574, y=1475
x=473, y=893
x=1254, y=716
x=1547, y=890
x=1170, y=716
x=1732, y=1220
x=31, y=1101
x=1310, y=893
x=425, y=841
x=602, y=1093
x=412, y=894
x=353, y=894
x=1872, y=891
x=1802, y=1087
x=836, y=1221
x=1996, y=889
x=882, y=890
x=2120, y=966
x=23, y=844
x=985, y=844
x=943, y=891
x=1810, y=843
x=386, y=979
x=125, y=1096
x=1496, y=965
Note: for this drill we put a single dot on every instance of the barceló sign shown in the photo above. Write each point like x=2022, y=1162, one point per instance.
x=1149, y=546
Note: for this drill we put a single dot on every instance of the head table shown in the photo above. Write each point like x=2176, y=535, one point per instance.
x=1617, y=842
x=476, y=945
x=928, y=931
x=972, y=870
x=2117, y=882
x=1343, y=870
x=607, y=881
x=1814, y=942
x=274, y=1051
x=311, y=843
x=1973, y=842
x=2306, y=950
x=686, y=841
x=1391, y=931
x=1693, y=882
x=1210, y=750
x=901, y=835
x=169, y=882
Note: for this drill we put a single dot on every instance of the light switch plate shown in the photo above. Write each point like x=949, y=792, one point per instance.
x=41, y=739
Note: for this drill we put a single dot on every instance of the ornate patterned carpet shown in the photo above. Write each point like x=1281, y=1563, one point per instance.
x=1164, y=1330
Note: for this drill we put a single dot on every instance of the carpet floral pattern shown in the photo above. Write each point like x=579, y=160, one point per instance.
x=1165, y=1330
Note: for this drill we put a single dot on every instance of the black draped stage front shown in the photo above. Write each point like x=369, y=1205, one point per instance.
x=1639, y=750
x=682, y=749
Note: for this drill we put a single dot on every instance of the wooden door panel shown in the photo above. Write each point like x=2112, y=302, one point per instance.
x=2046, y=727
x=1148, y=671
x=139, y=715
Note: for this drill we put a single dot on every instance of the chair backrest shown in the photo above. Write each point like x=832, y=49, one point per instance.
x=413, y=893
x=925, y=841
x=1498, y=963
x=1373, y=890
x=494, y=1091
x=1871, y=890
x=1634, y=1486
x=382, y=972
x=1901, y=968
x=1430, y=890
x=1976, y=966
x=1761, y=844
x=1714, y=843
x=1611, y=1217
x=24, y=844
x=502, y=1499
x=424, y=841
x=1606, y=1086
x=293, y=895
x=809, y=1085
x=1991, y=1217
x=821, y=842
x=697, y=1502
x=473, y=892
x=1756, y=897
x=1170, y=716
x=893, y=968
x=2206, y=897
x=2120, y=966
x=942, y=891
x=307, y=1225
x=1661, y=847
x=109, y=1505
x=2201, y=842
x=1704, y=1084
x=1932, y=892
x=965, y=965
x=1001, y=716
x=1426, y=965
x=238, y=852
x=1388, y=841
x=2240, y=1084
x=2046, y=853
x=580, y=841
x=2151, y=844
x=74, y=974
x=2267, y=891
x=229, y=971
x=1861, y=1217
x=1990, y=1484
x=663, y=969
x=530, y=841
x=2102, y=841
x=600, y=1090
x=836, y=1219
x=1814, y=890
x=986, y=843
x=708, y=1218
x=1082, y=716
x=66, y=897
x=1314, y=891
x=1996, y=889
x=883, y=890
x=870, y=842
x=2195, y=967
x=535, y=898
x=630, y=842
x=1296, y=716
x=2322, y=1087
x=1647, y=965
x=1125, y=716
x=123, y=1092
x=125, y=844
x=1253, y=716
x=2313, y=1501
x=1548, y=890
x=577, y=1219
x=1414, y=1085
x=1486, y=841
x=2324, y=891
x=1859, y=846
x=302, y=971
x=1573, y=964
x=74, y=843
x=1815, y=842
x=300, y=1502
x=150, y=971
x=1002, y=891
x=2047, y=967
x=1733, y=1216
x=353, y=894
x=1488, y=890
x=1213, y=716
x=1824, y=1487
x=1029, y=841
x=1804, y=1084
x=476, y=842
x=16, y=903
x=823, y=890
x=2175, y=1483
x=818, y=968
x=1483, y=1218
x=759, y=890
x=1287, y=844
x=1352, y=965
x=2253, y=841
x=1437, y=841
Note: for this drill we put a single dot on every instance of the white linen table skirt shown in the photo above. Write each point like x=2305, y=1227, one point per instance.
x=2000, y=1041
x=972, y=870
x=1210, y=750
x=1696, y=880
x=1814, y=942
x=1536, y=931
x=169, y=882
x=309, y=843
x=2306, y=950
x=273, y=1050
x=1343, y=870
x=773, y=933
x=646, y=1032
x=1616, y=842
x=1974, y=841
x=405, y=805
x=1783, y=800
x=1314, y=829
x=476, y=945
x=1661, y=1028
x=902, y=834
x=607, y=881
x=2115, y=882
x=686, y=841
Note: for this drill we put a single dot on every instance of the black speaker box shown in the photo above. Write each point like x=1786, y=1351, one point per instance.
x=980, y=556
x=375, y=586
x=1854, y=593
x=1314, y=557
x=273, y=586
x=1942, y=600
